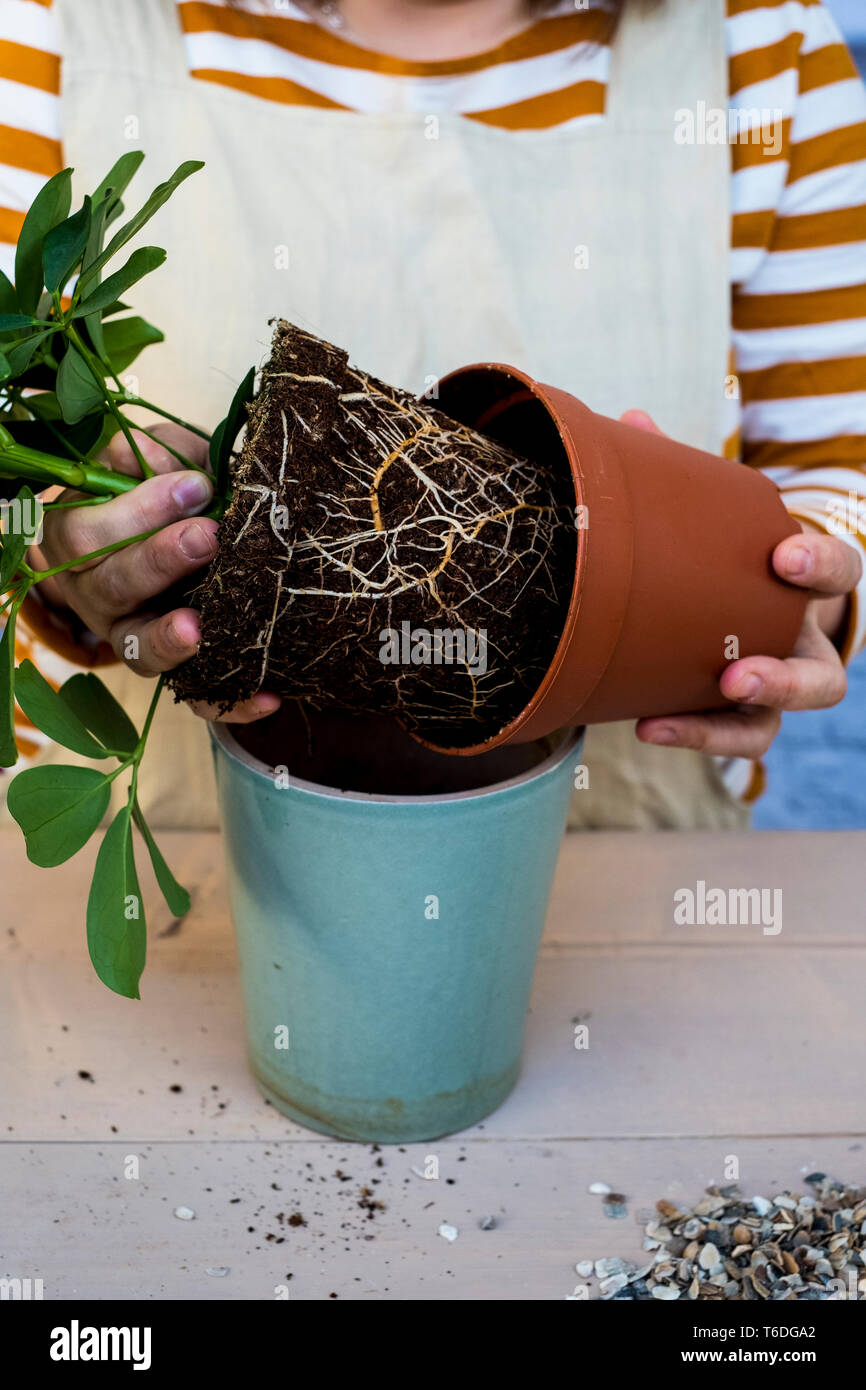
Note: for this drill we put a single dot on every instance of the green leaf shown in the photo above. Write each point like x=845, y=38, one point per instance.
x=11, y=555
x=117, y=179
x=58, y=808
x=49, y=207
x=45, y=708
x=8, y=297
x=77, y=389
x=106, y=206
x=13, y=323
x=160, y=195
x=224, y=436
x=19, y=357
x=95, y=327
x=176, y=896
x=8, y=746
x=83, y=435
x=110, y=428
x=140, y=263
x=96, y=707
x=116, y=933
x=15, y=543
x=98, y=223
x=46, y=403
x=64, y=246
x=29, y=499
x=125, y=339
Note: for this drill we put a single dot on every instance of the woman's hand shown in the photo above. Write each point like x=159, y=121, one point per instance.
x=812, y=678
x=114, y=595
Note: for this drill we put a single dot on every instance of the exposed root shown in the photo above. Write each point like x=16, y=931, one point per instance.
x=358, y=509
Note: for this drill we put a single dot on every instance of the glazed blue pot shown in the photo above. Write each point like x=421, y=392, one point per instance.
x=387, y=943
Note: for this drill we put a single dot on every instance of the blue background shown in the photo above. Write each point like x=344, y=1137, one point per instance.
x=817, y=766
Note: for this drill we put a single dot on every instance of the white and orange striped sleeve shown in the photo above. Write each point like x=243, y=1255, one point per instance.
x=799, y=267
x=30, y=149
x=30, y=152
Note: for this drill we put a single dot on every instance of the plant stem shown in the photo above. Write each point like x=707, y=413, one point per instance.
x=166, y=414
x=93, y=478
x=39, y=575
x=110, y=776
x=46, y=469
x=108, y=396
x=169, y=448
x=79, y=502
x=150, y=713
x=138, y=753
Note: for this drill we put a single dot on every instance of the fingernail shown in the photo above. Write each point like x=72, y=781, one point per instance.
x=799, y=560
x=196, y=543
x=177, y=637
x=666, y=734
x=191, y=491
x=750, y=687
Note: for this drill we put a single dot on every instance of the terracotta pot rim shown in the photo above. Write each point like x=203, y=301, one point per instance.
x=518, y=729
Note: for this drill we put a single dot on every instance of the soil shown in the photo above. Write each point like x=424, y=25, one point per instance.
x=380, y=557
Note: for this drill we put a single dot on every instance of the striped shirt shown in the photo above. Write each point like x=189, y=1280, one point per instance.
x=798, y=237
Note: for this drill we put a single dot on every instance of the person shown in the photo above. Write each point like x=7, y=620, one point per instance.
x=429, y=184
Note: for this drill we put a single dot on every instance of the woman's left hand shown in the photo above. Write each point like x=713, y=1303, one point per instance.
x=813, y=677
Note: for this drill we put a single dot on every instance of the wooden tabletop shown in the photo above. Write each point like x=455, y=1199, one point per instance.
x=709, y=1047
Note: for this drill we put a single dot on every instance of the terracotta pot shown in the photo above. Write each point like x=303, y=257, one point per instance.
x=673, y=559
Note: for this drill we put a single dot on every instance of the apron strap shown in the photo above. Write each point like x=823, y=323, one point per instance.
x=141, y=37
x=640, y=95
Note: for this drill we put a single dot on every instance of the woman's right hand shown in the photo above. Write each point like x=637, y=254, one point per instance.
x=114, y=595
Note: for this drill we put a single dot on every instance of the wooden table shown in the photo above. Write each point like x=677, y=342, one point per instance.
x=709, y=1046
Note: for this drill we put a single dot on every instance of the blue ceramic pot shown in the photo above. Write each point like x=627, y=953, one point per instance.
x=387, y=943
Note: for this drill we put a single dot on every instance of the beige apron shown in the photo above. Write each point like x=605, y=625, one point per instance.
x=596, y=258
